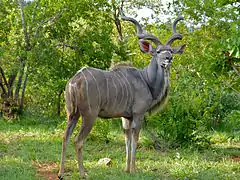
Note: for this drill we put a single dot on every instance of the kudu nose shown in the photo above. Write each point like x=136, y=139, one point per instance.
x=169, y=58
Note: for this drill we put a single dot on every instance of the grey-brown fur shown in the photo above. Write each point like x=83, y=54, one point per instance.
x=120, y=64
x=106, y=93
x=124, y=92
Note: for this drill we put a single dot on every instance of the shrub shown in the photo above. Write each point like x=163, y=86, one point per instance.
x=195, y=107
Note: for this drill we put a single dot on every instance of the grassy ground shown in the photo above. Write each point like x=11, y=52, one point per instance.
x=30, y=149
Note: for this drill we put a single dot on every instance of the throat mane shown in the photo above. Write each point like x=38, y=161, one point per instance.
x=160, y=93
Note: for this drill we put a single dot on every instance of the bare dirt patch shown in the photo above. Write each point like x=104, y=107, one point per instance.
x=236, y=158
x=46, y=170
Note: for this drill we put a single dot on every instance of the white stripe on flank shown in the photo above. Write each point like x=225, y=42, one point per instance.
x=87, y=90
x=127, y=89
x=107, y=93
x=113, y=105
x=121, y=88
x=141, y=76
x=99, y=95
x=81, y=70
x=73, y=87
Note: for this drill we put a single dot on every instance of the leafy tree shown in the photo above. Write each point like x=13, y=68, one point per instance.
x=44, y=43
x=205, y=79
x=52, y=41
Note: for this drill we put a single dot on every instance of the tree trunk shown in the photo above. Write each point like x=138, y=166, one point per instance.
x=10, y=84
x=2, y=86
x=23, y=90
x=20, y=77
x=116, y=19
x=4, y=82
x=9, y=105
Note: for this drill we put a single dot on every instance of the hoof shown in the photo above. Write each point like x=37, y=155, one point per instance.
x=60, y=177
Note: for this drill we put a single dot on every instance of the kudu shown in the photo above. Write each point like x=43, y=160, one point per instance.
x=124, y=92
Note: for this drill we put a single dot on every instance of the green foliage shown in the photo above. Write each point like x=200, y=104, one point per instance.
x=231, y=123
x=64, y=36
x=202, y=114
x=101, y=130
x=204, y=80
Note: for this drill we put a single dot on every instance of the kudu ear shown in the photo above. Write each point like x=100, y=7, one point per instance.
x=145, y=46
x=179, y=49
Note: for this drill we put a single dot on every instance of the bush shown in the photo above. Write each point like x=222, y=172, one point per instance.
x=231, y=123
x=195, y=107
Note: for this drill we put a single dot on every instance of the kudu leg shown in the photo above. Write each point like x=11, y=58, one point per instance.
x=128, y=139
x=87, y=124
x=72, y=121
x=135, y=137
x=136, y=127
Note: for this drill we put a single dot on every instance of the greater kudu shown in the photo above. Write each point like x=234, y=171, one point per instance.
x=124, y=92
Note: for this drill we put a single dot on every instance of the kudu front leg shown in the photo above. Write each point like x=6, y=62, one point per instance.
x=131, y=131
x=136, y=127
x=128, y=139
x=135, y=137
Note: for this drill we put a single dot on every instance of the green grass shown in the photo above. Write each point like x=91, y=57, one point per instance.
x=31, y=147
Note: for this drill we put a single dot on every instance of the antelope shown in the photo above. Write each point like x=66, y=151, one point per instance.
x=124, y=92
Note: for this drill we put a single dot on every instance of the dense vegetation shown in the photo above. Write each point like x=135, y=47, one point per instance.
x=43, y=43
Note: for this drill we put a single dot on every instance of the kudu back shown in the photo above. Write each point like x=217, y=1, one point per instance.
x=124, y=92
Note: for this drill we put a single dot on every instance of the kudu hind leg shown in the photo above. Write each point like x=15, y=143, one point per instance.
x=87, y=124
x=72, y=121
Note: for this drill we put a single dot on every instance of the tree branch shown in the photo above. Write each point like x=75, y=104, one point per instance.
x=3, y=76
x=228, y=85
x=67, y=45
x=20, y=77
x=51, y=20
x=23, y=89
x=116, y=19
x=234, y=68
x=33, y=16
x=2, y=87
x=26, y=35
x=229, y=58
x=11, y=80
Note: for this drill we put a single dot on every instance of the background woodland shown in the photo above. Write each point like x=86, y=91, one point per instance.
x=43, y=43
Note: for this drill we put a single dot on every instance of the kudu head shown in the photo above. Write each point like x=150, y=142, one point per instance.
x=163, y=52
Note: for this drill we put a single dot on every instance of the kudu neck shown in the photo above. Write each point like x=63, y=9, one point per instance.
x=155, y=75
